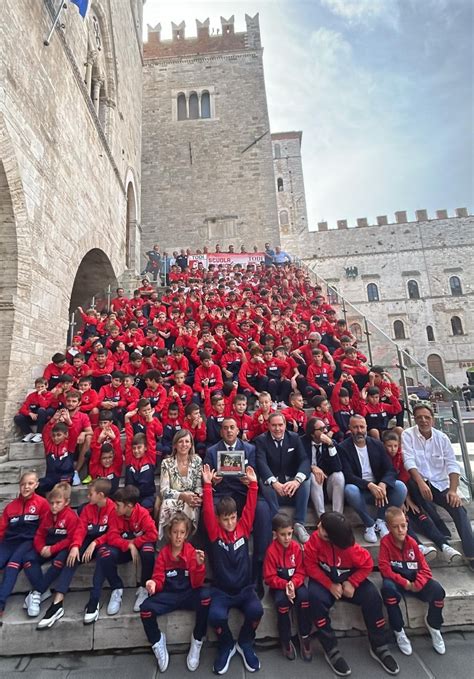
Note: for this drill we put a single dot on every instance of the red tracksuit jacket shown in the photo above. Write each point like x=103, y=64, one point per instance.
x=56, y=531
x=283, y=564
x=138, y=528
x=177, y=574
x=94, y=521
x=328, y=564
x=403, y=565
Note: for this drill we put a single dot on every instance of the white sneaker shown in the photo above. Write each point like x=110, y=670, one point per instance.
x=27, y=438
x=300, y=532
x=142, y=594
x=381, y=527
x=76, y=481
x=161, y=653
x=32, y=603
x=436, y=638
x=403, y=642
x=370, y=534
x=451, y=555
x=37, y=438
x=192, y=661
x=43, y=597
x=115, y=602
x=429, y=552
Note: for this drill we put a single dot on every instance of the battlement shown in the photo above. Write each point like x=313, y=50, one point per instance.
x=400, y=218
x=223, y=39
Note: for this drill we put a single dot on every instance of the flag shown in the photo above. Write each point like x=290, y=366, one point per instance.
x=82, y=6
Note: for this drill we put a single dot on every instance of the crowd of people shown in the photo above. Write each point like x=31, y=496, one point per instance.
x=208, y=387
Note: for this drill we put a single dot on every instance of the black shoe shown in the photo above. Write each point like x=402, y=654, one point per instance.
x=289, y=651
x=305, y=648
x=91, y=613
x=54, y=613
x=383, y=656
x=337, y=663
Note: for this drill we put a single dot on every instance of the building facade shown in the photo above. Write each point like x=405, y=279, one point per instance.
x=70, y=147
x=207, y=152
x=289, y=186
x=413, y=279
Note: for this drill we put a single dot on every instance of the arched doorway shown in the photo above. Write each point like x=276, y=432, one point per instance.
x=131, y=228
x=436, y=368
x=94, y=283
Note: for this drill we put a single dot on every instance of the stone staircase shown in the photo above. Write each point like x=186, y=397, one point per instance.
x=18, y=634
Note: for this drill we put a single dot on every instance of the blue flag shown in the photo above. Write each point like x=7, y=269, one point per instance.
x=82, y=5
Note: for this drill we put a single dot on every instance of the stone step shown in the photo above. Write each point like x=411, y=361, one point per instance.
x=18, y=634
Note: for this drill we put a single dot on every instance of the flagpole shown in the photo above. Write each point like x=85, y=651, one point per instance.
x=62, y=5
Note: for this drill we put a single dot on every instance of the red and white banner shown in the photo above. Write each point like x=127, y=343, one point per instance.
x=242, y=258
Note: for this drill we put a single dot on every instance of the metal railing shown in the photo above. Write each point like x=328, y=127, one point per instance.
x=416, y=382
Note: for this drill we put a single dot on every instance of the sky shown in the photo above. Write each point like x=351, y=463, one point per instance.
x=381, y=89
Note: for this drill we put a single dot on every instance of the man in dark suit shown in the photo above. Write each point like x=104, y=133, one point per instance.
x=370, y=477
x=326, y=467
x=284, y=471
x=236, y=487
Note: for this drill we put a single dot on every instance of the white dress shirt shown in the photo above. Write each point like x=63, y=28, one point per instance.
x=363, y=454
x=434, y=458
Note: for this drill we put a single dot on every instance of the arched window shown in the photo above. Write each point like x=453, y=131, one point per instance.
x=430, y=333
x=436, y=368
x=372, y=292
x=399, y=330
x=280, y=184
x=182, y=112
x=413, y=290
x=284, y=218
x=205, y=105
x=356, y=330
x=455, y=285
x=456, y=325
x=332, y=295
x=193, y=106
x=277, y=151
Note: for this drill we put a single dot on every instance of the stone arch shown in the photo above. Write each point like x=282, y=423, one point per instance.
x=131, y=228
x=94, y=275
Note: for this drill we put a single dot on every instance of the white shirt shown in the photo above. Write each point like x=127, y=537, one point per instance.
x=363, y=454
x=434, y=458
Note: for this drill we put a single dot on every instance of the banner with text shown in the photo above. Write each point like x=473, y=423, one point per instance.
x=227, y=258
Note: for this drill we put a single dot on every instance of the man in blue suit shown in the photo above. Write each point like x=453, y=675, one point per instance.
x=236, y=487
x=370, y=478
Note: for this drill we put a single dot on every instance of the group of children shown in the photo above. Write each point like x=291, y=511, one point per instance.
x=217, y=341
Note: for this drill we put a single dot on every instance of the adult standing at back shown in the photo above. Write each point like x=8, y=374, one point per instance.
x=284, y=471
x=370, y=478
x=431, y=462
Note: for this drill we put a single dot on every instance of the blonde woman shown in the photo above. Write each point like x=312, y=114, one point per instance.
x=180, y=482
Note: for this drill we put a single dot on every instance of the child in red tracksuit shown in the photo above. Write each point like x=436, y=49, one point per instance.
x=284, y=573
x=194, y=423
x=405, y=572
x=106, y=459
x=207, y=375
x=131, y=536
x=214, y=410
x=59, y=460
x=338, y=568
x=295, y=415
x=239, y=413
x=172, y=418
x=18, y=525
x=140, y=462
x=34, y=411
x=51, y=543
x=377, y=413
x=322, y=410
x=261, y=415
x=89, y=400
x=177, y=583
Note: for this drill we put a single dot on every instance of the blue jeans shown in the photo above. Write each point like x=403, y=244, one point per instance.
x=359, y=499
x=299, y=500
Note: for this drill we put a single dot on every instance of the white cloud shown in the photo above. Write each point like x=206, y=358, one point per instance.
x=364, y=11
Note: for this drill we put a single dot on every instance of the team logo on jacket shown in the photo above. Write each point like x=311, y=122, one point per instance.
x=61, y=524
x=411, y=555
x=32, y=509
x=292, y=559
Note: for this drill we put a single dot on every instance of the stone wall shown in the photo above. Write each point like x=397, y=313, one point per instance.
x=429, y=252
x=291, y=200
x=207, y=180
x=66, y=162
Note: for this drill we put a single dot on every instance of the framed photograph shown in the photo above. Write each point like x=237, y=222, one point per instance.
x=231, y=463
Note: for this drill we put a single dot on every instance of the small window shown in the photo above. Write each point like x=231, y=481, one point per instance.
x=205, y=105
x=430, y=333
x=182, y=112
x=277, y=151
x=193, y=106
x=372, y=292
x=332, y=295
x=284, y=218
x=455, y=285
x=280, y=184
x=413, y=290
x=399, y=330
x=456, y=325
x=356, y=330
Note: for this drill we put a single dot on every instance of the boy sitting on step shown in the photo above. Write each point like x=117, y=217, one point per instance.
x=51, y=543
x=131, y=536
x=232, y=570
x=284, y=573
x=405, y=572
